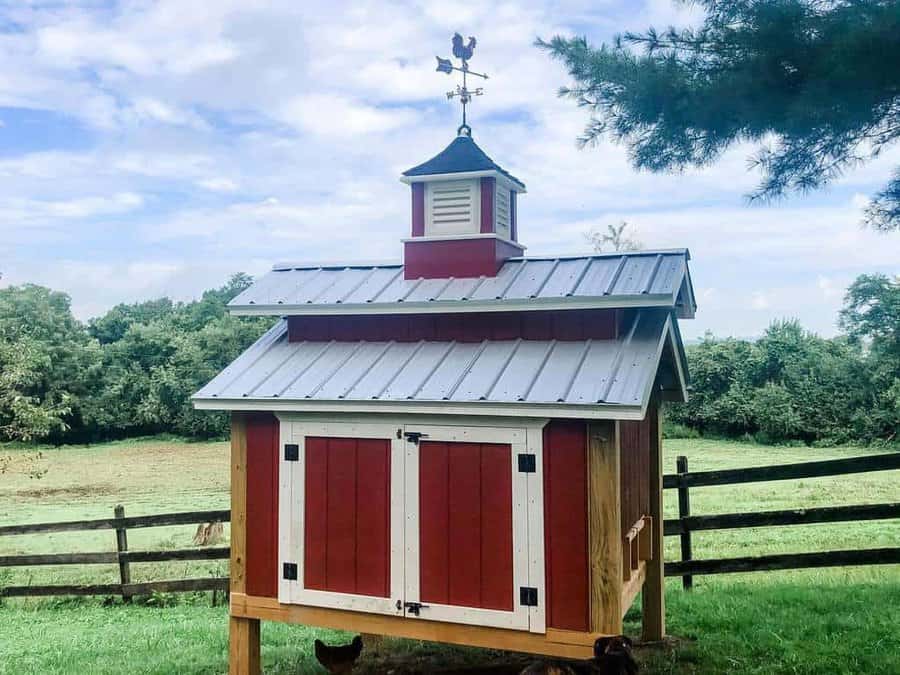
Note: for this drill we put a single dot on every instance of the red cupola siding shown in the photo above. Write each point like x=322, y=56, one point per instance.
x=463, y=214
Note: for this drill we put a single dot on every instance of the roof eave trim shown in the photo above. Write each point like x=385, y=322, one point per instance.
x=482, y=173
x=580, y=411
x=457, y=306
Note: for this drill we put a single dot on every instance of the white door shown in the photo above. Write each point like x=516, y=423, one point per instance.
x=341, y=516
x=431, y=522
x=468, y=544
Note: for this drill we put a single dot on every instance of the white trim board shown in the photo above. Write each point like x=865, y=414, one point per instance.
x=475, y=409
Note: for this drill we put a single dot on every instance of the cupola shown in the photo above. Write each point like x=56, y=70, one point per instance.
x=464, y=216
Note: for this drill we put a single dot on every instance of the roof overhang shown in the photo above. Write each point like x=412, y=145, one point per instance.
x=608, y=412
x=438, y=307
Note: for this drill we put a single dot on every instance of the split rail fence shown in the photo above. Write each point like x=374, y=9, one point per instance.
x=683, y=527
x=121, y=556
x=687, y=523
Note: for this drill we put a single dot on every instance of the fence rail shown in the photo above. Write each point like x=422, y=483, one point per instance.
x=121, y=556
x=686, y=523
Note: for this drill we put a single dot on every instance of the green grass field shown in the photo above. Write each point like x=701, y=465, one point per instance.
x=814, y=621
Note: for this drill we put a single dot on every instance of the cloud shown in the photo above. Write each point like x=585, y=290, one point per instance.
x=209, y=137
x=335, y=115
x=218, y=184
x=759, y=300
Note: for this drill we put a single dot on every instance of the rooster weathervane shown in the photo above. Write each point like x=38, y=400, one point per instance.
x=463, y=52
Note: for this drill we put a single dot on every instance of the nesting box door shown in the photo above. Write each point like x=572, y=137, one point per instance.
x=467, y=526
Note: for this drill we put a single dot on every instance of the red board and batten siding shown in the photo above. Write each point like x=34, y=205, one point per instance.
x=262, y=505
x=634, y=468
x=465, y=525
x=574, y=325
x=565, y=525
x=347, y=509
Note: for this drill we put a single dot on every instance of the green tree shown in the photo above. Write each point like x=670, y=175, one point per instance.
x=615, y=238
x=50, y=366
x=871, y=315
x=814, y=82
x=113, y=325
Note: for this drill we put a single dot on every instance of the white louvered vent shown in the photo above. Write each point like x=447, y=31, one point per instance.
x=501, y=209
x=452, y=208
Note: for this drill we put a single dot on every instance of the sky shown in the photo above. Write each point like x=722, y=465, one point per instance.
x=155, y=148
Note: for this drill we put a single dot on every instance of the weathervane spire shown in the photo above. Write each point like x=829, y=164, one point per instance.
x=463, y=52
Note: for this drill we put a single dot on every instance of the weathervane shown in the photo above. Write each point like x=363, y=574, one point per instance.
x=463, y=52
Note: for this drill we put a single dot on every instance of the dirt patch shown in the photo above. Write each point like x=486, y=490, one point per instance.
x=75, y=491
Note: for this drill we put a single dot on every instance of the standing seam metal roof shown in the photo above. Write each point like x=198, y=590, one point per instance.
x=616, y=372
x=646, y=278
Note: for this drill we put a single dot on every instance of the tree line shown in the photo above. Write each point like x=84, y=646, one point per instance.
x=131, y=371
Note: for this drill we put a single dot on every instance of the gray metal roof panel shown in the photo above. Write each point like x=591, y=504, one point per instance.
x=613, y=372
x=651, y=278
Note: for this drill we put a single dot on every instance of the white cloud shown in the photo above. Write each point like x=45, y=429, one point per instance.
x=232, y=132
x=218, y=184
x=339, y=116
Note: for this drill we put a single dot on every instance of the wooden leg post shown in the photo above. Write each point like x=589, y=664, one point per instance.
x=243, y=634
x=653, y=598
x=243, y=646
x=605, y=527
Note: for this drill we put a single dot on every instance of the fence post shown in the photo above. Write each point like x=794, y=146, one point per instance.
x=122, y=547
x=684, y=510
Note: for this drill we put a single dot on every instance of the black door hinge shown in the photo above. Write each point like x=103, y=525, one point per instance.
x=289, y=571
x=291, y=452
x=528, y=596
x=414, y=607
x=414, y=436
x=527, y=463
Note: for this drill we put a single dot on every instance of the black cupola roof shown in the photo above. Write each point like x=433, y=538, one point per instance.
x=461, y=156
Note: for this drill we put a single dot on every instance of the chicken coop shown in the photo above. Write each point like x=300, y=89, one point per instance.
x=461, y=447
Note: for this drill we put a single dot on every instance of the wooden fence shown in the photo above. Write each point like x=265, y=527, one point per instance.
x=686, y=523
x=121, y=556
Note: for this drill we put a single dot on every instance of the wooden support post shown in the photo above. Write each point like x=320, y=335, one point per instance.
x=605, y=527
x=684, y=510
x=653, y=598
x=243, y=647
x=243, y=634
x=122, y=547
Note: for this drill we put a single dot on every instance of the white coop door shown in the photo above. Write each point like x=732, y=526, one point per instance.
x=341, y=516
x=474, y=526
x=429, y=522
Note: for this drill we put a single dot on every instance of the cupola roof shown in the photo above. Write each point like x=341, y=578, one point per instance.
x=462, y=156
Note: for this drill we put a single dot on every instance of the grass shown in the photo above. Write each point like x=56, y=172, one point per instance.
x=806, y=621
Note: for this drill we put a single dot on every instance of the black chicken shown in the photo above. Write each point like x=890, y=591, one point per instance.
x=612, y=656
x=339, y=659
x=460, y=50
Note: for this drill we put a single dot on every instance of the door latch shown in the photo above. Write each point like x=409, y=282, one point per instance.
x=414, y=607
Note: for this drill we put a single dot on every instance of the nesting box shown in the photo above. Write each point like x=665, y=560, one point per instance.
x=463, y=447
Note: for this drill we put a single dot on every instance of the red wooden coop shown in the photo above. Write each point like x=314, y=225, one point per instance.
x=462, y=447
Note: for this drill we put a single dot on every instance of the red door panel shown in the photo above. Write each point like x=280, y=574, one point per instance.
x=465, y=524
x=347, y=516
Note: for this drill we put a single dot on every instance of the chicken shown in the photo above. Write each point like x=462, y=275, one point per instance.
x=612, y=656
x=339, y=659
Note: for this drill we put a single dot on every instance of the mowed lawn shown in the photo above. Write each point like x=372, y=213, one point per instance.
x=813, y=621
